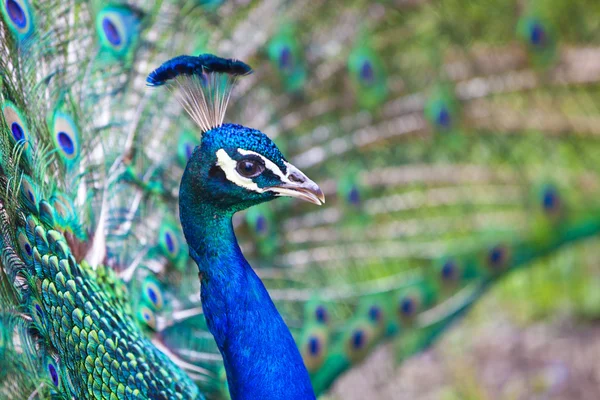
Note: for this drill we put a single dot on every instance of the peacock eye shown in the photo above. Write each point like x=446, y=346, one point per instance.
x=250, y=168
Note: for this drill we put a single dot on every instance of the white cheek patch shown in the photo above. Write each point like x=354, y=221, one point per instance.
x=228, y=165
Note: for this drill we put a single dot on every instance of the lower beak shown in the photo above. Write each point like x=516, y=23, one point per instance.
x=298, y=185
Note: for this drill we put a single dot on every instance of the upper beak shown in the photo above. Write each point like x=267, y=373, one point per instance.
x=298, y=185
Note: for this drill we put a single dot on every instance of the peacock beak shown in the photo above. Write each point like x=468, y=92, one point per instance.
x=296, y=184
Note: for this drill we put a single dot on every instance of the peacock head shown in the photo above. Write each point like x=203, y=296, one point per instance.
x=234, y=167
x=237, y=167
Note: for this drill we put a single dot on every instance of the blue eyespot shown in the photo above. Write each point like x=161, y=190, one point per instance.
x=550, y=199
x=375, y=313
x=537, y=34
x=285, y=58
x=15, y=120
x=358, y=339
x=496, y=256
x=407, y=306
x=448, y=270
x=321, y=314
x=152, y=295
x=25, y=246
x=354, y=196
x=261, y=224
x=314, y=346
x=66, y=143
x=189, y=149
x=17, y=131
x=118, y=29
x=443, y=118
x=111, y=32
x=367, y=73
x=53, y=374
x=169, y=242
x=38, y=315
x=16, y=13
x=66, y=137
x=147, y=317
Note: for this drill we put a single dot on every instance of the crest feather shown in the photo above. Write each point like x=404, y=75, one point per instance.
x=202, y=84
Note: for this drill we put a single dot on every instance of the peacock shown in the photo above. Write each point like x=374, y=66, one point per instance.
x=454, y=145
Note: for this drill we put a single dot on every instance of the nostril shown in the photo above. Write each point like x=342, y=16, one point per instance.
x=296, y=178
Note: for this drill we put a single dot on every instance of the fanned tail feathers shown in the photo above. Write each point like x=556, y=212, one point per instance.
x=447, y=163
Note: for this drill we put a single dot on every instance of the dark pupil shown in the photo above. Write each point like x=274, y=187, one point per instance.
x=248, y=168
x=367, y=73
x=448, y=270
x=374, y=313
x=321, y=314
x=16, y=13
x=407, y=306
x=112, y=34
x=285, y=59
x=261, y=224
x=444, y=118
x=152, y=295
x=17, y=131
x=496, y=255
x=314, y=346
x=550, y=199
x=66, y=143
x=170, y=244
x=538, y=36
x=354, y=196
x=53, y=374
x=358, y=339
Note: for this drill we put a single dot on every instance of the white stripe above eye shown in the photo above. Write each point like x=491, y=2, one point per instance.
x=228, y=165
x=270, y=165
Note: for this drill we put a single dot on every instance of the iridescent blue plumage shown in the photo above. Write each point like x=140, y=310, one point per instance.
x=192, y=65
x=249, y=332
x=235, y=168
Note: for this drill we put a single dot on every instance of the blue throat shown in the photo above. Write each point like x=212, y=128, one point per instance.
x=260, y=355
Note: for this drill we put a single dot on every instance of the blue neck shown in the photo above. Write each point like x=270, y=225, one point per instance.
x=260, y=355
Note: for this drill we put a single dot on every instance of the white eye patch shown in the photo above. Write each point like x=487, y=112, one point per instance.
x=228, y=165
x=270, y=165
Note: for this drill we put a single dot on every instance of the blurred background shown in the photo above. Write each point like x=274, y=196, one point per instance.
x=440, y=130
